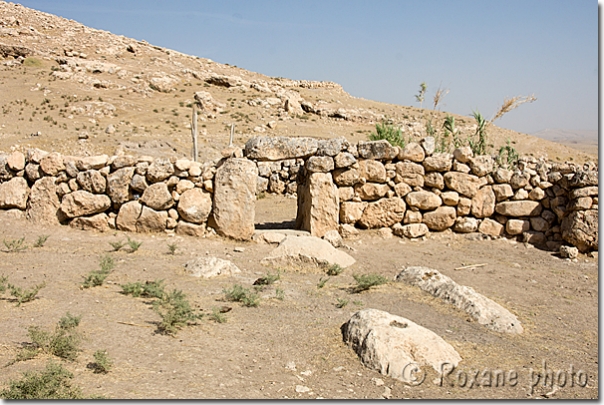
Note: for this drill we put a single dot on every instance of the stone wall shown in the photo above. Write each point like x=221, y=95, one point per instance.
x=339, y=186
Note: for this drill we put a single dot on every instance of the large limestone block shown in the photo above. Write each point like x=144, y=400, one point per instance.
x=439, y=162
x=378, y=150
x=52, y=164
x=491, y=227
x=82, y=203
x=320, y=164
x=383, y=213
x=43, y=205
x=128, y=215
x=351, y=211
x=16, y=161
x=92, y=181
x=413, y=152
x=92, y=162
x=519, y=208
x=318, y=205
x=118, y=185
x=580, y=228
x=157, y=196
x=484, y=310
x=306, y=251
x=481, y=165
x=372, y=171
x=410, y=173
x=14, y=193
x=371, y=191
x=280, y=148
x=235, y=198
x=195, y=205
x=441, y=218
x=466, y=184
x=151, y=220
x=483, y=202
x=394, y=345
x=159, y=170
x=410, y=231
x=346, y=177
x=424, y=200
x=98, y=222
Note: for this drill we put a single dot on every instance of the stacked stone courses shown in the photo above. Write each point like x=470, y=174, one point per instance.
x=339, y=186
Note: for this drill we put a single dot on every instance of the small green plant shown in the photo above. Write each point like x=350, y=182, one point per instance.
x=366, y=281
x=479, y=143
x=97, y=277
x=117, y=245
x=239, y=294
x=175, y=312
x=322, y=282
x=172, y=247
x=358, y=303
x=388, y=132
x=269, y=279
x=3, y=281
x=334, y=270
x=216, y=316
x=102, y=362
x=151, y=289
x=421, y=95
x=261, y=195
x=15, y=245
x=134, y=245
x=342, y=302
x=63, y=342
x=51, y=383
x=25, y=295
x=41, y=240
x=279, y=294
x=508, y=156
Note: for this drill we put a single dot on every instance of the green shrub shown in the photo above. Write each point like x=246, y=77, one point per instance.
x=41, y=240
x=322, y=282
x=334, y=270
x=216, y=316
x=239, y=294
x=172, y=248
x=15, y=245
x=151, y=289
x=63, y=342
x=366, y=281
x=25, y=295
x=279, y=294
x=508, y=156
x=102, y=362
x=342, y=302
x=268, y=279
x=97, y=277
x=117, y=245
x=388, y=132
x=134, y=245
x=51, y=383
x=175, y=311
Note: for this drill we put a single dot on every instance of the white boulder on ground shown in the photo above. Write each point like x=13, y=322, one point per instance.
x=486, y=312
x=209, y=266
x=393, y=345
x=306, y=251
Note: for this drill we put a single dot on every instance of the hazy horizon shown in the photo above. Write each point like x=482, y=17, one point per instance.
x=481, y=51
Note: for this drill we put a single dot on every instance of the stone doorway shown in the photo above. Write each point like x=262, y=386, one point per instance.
x=275, y=211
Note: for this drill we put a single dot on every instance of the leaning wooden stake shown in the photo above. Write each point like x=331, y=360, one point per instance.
x=194, y=131
x=232, y=132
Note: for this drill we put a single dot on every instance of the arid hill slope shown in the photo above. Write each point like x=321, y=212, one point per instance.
x=64, y=84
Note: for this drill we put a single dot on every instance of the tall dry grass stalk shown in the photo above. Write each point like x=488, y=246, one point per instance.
x=438, y=96
x=510, y=104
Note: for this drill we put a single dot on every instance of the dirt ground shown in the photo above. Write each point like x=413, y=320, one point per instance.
x=253, y=354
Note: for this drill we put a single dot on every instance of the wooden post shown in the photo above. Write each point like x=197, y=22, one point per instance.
x=194, y=131
x=232, y=132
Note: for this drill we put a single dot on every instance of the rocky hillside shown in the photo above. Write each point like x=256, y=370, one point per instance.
x=82, y=91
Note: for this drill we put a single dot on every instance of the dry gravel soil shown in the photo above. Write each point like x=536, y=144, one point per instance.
x=292, y=348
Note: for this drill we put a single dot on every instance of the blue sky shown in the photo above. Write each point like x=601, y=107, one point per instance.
x=481, y=50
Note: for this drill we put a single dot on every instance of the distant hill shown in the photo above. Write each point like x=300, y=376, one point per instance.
x=80, y=91
x=583, y=140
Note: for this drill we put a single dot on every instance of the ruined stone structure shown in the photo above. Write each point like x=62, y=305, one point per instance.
x=339, y=186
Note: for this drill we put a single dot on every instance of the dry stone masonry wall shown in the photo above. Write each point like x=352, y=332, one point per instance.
x=408, y=191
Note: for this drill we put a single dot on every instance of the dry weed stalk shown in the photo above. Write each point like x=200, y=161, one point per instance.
x=438, y=96
x=510, y=104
